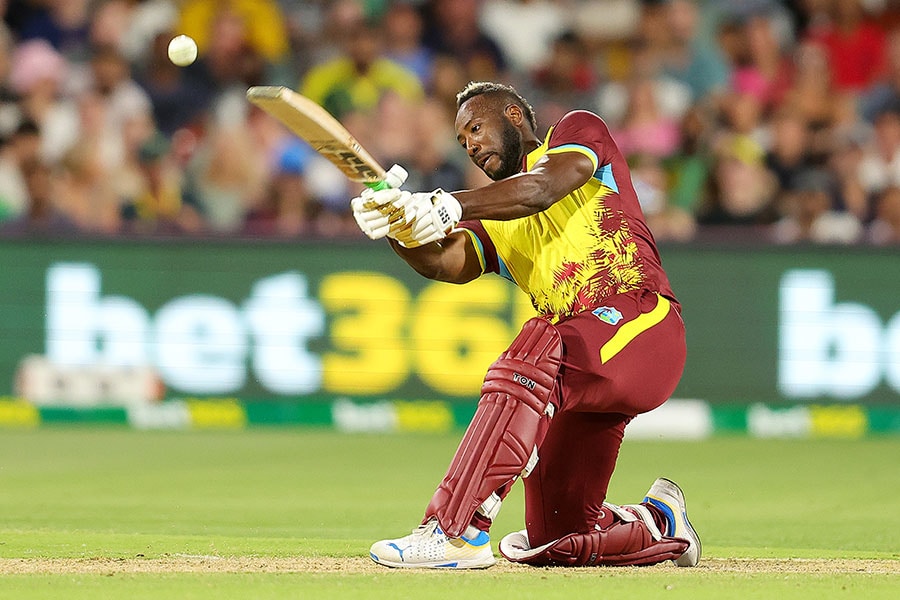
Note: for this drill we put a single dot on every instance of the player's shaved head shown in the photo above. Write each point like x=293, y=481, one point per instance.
x=502, y=95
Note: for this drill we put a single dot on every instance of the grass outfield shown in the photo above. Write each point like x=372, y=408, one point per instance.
x=112, y=513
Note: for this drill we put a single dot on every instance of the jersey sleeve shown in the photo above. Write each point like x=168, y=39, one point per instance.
x=584, y=132
x=491, y=260
x=484, y=246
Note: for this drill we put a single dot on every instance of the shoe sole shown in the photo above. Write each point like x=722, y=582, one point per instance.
x=455, y=564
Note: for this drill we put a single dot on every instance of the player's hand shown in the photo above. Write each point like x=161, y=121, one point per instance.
x=428, y=217
x=376, y=212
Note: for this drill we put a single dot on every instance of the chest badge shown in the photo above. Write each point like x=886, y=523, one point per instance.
x=607, y=314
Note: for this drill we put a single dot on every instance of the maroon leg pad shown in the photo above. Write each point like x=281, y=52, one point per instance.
x=507, y=425
x=618, y=543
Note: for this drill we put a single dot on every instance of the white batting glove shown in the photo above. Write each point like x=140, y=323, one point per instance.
x=376, y=211
x=373, y=211
x=429, y=217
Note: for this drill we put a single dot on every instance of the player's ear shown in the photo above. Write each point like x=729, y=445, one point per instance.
x=514, y=113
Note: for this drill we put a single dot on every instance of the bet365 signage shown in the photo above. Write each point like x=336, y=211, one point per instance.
x=362, y=333
x=332, y=332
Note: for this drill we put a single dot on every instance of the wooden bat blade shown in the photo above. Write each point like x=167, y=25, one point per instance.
x=315, y=125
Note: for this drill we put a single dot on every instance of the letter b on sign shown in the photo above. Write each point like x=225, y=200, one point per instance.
x=825, y=348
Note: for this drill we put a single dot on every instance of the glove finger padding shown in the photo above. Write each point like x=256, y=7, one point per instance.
x=377, y=212
x=371, y=221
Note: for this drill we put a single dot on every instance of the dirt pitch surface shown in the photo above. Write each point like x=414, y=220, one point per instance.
x=363, y=566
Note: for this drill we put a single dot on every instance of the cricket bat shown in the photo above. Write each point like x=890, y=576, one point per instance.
x=317, y=127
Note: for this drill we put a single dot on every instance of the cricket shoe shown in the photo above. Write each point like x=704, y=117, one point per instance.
x=665, y=495
x=429, y=547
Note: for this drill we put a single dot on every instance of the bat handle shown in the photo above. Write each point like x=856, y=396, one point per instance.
x=394, y=178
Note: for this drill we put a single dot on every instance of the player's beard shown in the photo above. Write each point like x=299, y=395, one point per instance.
x=510, y=153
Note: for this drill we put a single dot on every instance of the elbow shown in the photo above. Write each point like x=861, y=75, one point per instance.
x=541, y=201
x=542, y=195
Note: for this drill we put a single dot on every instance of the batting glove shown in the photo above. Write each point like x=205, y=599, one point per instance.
x=377, y=212
x=428, y=217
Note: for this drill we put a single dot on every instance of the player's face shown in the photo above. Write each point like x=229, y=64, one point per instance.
x=490, y=139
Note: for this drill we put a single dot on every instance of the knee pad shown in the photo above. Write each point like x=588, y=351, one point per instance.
x=624, y=539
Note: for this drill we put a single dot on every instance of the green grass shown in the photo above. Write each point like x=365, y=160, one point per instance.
x=112, y=493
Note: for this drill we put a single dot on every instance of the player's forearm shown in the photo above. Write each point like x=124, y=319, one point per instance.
x=517, y=196
x=447, y=260
x=533, y=191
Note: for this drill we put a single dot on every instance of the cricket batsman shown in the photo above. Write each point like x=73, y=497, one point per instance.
x=560, y=220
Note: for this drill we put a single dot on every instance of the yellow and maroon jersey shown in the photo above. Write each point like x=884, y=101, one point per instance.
x=590, y=245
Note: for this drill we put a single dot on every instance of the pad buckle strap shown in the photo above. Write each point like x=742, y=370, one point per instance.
x=639, y=511
x=531, y=464
x=491, y=506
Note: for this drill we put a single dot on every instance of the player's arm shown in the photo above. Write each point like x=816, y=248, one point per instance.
x=553, y=177
x=421, y=218
x=452, y=259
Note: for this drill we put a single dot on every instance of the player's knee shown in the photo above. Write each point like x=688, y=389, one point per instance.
x=527, y=370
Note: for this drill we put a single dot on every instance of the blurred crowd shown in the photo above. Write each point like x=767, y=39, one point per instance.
x=776, y=121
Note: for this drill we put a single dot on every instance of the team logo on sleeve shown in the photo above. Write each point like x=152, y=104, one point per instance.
x=607, y=314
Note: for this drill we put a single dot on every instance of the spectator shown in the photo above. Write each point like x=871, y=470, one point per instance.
x=448, y=76
x=434, y=163
x=253, y=27
x=39, y=75
x=359, y=78
x=879, y=167
x=811, y=94
x=453, y=28
x=64, y=24
x=762, y=69
x=226, y=177
x=180, y=97
x=403, y=29
x=160, y=205
x=662, y=94
x=146, y=20
x=645, y=129
x=43, y=216
x=686, y=54
x=809, y=216
x=743, y=191
x=110, y=78
x=688, y=170
x=788, y=151
x=667, y=221
x=111, y=23
x=287, y=208
x=564, y=78
x=885, y=93
x=21, y=148
x=86, y=193
x=843, y=161
x=854, y=46
x=524, y=30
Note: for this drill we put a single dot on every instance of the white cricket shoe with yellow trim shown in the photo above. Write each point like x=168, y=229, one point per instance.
x=665, y=495
x=428, y=547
